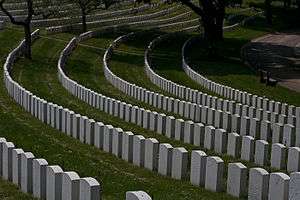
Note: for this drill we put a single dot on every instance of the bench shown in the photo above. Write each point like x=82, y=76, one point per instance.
x=265, y=77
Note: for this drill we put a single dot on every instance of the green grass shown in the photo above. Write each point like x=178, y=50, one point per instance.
x=225, y=67
x=229, y=70
x=59, y=149
x=40, y=77
x=9, y=191
x=116, y=176
x=91, y=76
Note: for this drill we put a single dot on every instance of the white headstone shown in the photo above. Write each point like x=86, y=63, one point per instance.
x=189, y=129
x=234, y=144
x=26, y=172
x=39, y=178
x=258, y=184
x=199, y=132
x=151, y=154
x=170, y=127
x=209, y=137
x=265, y=131
x=254, y=127
x=137, y=195
x=7, y=148
x=179, y=163
x=2, y=141
x=261, y=152
x=53, y=182
x=294, y=186
x=198, y=168
x=293, y=163
x=237, y=179
x=214, y=174
x=220, y=141
x=248, y=147
x=278, y=156
x=289, y=136
x=16, y=166
x=165, y=159
x=279, y=186
x=99, y=135
x=277, y=133
x=107, y=138
x=70, y=186
x=117, y=136
x=138, y=150
x=127, y=146
x=89, y=189
x=179, y=129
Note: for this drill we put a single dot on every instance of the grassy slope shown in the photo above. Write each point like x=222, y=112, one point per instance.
x=7, y=190
x=227, y=68
x=234, y=73
x=66, y=151
x=134, y=63
x=91, y=76
x=116, y=175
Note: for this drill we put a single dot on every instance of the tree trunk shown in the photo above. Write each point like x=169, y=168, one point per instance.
x=268, y=11
x=83, y=17
x=220, y=23
x=27, y=31
x=213, y=29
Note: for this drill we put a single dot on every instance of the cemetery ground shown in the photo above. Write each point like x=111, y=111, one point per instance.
x=227, y=69
x=116, y=176
x=85, y=66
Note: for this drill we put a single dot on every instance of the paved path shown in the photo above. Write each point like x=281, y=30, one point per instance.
x=279, y=53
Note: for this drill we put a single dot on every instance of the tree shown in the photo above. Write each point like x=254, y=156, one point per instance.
x=88, y=6
x=212, y=13
x=34, y=8
x=268, y=11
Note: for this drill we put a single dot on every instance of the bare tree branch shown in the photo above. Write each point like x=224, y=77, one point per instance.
x=12, y=19
x=192, y=6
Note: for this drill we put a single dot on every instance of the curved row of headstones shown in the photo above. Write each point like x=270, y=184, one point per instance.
x=207, y=171
x=136, y=149
x=92, y=17
x=254, y=148
x=34, y=175
x=232, y=123
x=62, y=11
x=17, y=5
x=133, y=148
x=288, y=113
x=282, y=112
x=111, y=143
x=115, y=21
x=244, y=120
x=43, y=181
x=22, y=14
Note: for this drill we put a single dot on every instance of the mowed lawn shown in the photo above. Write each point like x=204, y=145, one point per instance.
x=225, y=66
x=85, y=65
x=116, y=176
